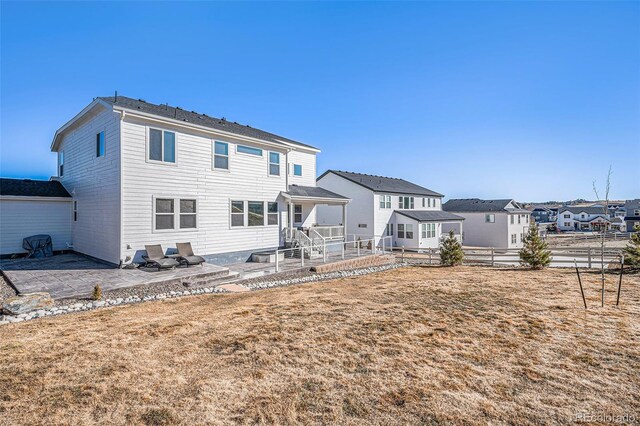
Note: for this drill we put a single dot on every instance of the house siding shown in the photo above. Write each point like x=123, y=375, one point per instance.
x=21, y=217
x=193, y=176
x=94, y=183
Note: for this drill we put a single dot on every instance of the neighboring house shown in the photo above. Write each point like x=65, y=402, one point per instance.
x=140, y=173
x=541, y=214
x=30, y=207
x=491, y=223
x=571, y=218
x=389, y=207
x=632, y=214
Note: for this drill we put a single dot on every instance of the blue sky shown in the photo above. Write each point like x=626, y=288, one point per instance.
x=505, y=99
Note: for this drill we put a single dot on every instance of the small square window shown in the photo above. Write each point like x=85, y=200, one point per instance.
x=297, y=170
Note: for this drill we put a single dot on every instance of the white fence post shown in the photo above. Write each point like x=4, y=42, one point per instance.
x=589, y=257
x=403, y=254
x=324, y=251
x=302, y=254
x=277, y=263
x=373, y=245
x=493, y=257
x=342, y=247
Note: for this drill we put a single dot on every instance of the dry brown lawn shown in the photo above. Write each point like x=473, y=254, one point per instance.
x=468, y=345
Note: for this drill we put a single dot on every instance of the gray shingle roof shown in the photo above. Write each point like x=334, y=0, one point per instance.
x=384, y=184
x=576, y=210
x=478, y=205
x=312, y=191
x=32, y=188
x=429, y=215
x=193, y=117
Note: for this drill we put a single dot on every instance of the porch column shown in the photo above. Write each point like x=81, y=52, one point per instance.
x=290, y=215
x=344, y=220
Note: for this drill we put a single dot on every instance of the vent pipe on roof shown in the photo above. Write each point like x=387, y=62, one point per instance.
x=115, y=98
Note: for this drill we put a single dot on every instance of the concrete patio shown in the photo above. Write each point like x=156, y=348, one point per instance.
x=71, y=275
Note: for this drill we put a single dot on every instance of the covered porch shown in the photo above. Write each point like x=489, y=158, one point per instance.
x=301, y=227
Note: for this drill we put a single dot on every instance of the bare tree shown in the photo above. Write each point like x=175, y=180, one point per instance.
x=603, y=232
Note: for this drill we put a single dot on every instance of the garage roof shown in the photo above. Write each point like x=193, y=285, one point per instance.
x=32, y=188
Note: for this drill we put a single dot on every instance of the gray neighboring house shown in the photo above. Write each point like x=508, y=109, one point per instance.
x=632, y=214
x=491, y=223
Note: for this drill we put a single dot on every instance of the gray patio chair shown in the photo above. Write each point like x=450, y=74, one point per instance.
x=186, y=255
x=155, y=257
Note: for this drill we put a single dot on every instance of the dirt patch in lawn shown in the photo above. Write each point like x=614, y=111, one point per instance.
x=470, y=345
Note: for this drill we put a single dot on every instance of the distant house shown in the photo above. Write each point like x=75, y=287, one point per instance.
x=632, y=214
x=132, y=173
x=542, y=214
x=491, y=223
x=389, y=207
x=593, y=218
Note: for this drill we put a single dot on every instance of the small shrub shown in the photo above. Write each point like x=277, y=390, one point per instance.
x=451, y=253
x=97, y=292
x=534, y=253
x=632, y=250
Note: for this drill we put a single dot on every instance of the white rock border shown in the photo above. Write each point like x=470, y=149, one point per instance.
x=260, y=285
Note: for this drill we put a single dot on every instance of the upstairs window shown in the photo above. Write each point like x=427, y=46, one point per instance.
x=249, y=150
x=61, y=164
x=567, y=216
x=424, y=200
x=519, y=219
x=274, y=164
x=512, y=219
x=406, y=203
x=75, y=211
x=297, y=169
x=385, y=201
x=490, y=218
x=221, y=155
x=162, y=146
x=100, y=144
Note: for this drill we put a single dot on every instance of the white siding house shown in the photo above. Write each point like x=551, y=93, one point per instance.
x=388, y=207
x=141, y=173
x=491, y=223
x=29, y=207
x=590, y=218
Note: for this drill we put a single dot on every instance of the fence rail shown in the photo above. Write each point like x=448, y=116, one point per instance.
x=560, y=239
x=585, y=257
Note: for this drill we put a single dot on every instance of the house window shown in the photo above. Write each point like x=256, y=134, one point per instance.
x=100, y=144
x=165, y=213
x=297, y=213
x=389, y=230
x=582, y=216
x=513, y=238
x=237, y=213
x=428, y=230
x=75, y=211
x=490, y=218
x=424, y=202
x=61, y=164
x=526, y=219
x=400, y=230
x=274, y=164
x=362, y=225
x=636, y=212
x=408, y=231
x=519, y=218
x=406, y=202
x=221, y=155
x=187, y=214
x=567, y=216
x=385, y=201
x=429, y=203
x=162, y=146
x=272, y=213
x=256, y=213
x=567, y=224
x=249, y=150
x=297, y=169
x=512, y=219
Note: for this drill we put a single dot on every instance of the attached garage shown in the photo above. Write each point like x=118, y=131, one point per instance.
x=31, y=207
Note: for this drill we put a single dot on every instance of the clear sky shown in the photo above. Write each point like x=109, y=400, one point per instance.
x=493, y=100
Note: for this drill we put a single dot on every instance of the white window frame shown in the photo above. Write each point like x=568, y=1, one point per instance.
x=389, y=229
x=268, y=214
x=231, y=214
x=408, y=228
x=301, y=214
x=175, y=147
x=385, y=201
x=294, y=170
x=401, y=230
x=404, y=201
x=279, y=164
x=176, y=213
x=514, y=238
x=264, y=213
x=213, y=156
x=489, y=218
x=238, y=146
x=104, y=143
x=61, y=163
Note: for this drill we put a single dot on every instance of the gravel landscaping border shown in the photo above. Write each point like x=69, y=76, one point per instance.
x=140, y=294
